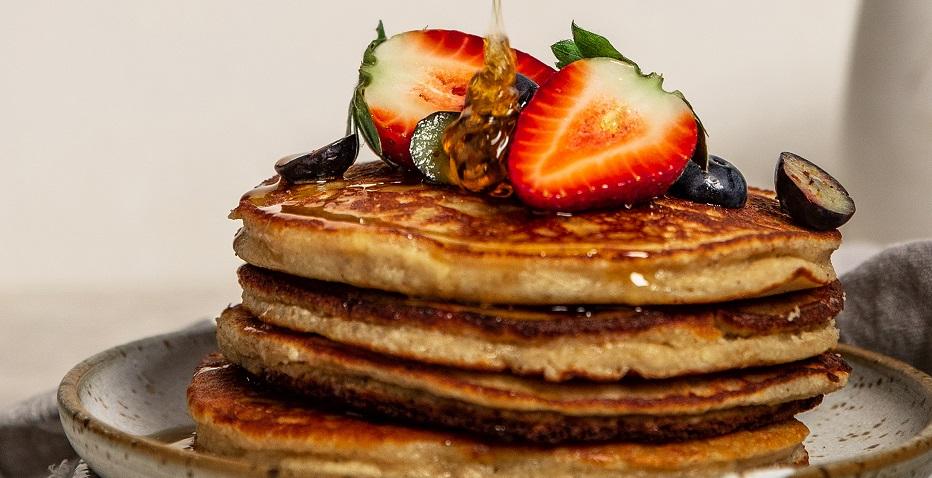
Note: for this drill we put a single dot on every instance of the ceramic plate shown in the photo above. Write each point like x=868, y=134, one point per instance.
x=124, y=412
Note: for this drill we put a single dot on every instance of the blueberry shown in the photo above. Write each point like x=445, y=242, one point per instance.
x=526, y=88
x=427, y=147
x=329, y=162
x=722, y=184
x=811, y=196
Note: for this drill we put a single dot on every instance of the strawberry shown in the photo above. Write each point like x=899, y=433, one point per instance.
x=599, y=133
x=411, y=75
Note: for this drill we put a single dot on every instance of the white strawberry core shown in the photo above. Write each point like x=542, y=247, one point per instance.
x=412, y=82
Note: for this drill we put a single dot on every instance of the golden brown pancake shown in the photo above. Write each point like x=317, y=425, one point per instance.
x=511, y=408
x=380, y=229
x=602, y=343
x=239, y=417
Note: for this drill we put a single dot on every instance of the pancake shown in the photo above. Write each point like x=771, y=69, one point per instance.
x=239, y=417
x=511, y=408
x=599, y=343
x=380, y=229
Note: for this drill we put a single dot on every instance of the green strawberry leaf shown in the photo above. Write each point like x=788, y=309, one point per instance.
x=593, y=45
x=360, y=110
x=566, y=52
x=586, y=44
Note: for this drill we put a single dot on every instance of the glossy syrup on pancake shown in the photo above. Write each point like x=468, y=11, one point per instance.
x=375, y=194
x=384, y=229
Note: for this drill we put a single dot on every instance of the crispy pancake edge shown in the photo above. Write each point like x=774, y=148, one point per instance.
x=789, y=313
x=243, y=418
x=660, y=351
x=545, y=428
x=265, y=349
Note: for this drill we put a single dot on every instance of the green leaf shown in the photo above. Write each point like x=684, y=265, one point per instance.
x=566, y=52
x=593, y=45
x=360, y=110
x=586, y=44
x=380, y=32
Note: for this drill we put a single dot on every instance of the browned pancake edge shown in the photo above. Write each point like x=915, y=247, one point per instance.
x=788, y=313
x=511, y=408
x=242, y=417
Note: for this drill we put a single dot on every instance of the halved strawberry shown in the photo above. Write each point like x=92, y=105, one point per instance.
x=599, y=134
x=411, y=75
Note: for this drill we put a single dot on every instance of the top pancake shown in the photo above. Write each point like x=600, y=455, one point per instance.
x=378, y=228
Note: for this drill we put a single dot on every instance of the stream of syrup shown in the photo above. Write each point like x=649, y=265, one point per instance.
x=477, y=141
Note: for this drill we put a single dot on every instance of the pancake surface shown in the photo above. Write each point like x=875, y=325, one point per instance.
x=513, y=408
x=237, y=418
x=601, y=343
x=380, y=229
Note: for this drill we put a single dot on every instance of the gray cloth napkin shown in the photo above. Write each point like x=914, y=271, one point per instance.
x=889, y=306
x=889, y=310
x=32, y=439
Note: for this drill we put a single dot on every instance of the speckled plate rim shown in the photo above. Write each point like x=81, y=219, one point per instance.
x=74, y=414
x=915, y=447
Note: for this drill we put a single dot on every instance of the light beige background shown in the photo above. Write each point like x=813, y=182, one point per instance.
x=128, y=129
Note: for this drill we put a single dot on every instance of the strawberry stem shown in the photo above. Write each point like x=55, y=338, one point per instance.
x=359, y=110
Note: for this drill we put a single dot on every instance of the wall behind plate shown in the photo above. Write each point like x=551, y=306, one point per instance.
x=129, y=129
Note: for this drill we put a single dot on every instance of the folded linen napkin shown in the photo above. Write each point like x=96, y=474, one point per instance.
x=889, y=306
x=889, y=310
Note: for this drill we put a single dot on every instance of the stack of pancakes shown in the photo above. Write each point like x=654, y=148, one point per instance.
x=393, y=328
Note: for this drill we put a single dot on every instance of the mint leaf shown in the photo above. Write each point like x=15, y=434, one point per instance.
x=360, y=110
x=592, y=45
x=566, y=52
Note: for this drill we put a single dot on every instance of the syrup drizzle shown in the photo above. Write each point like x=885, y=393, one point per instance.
x=332, y=204
x=477, y=141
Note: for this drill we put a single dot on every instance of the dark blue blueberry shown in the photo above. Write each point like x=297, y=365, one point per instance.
x=329, y=162
x=722, y=184
x=811, y=196
x=526, y=88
